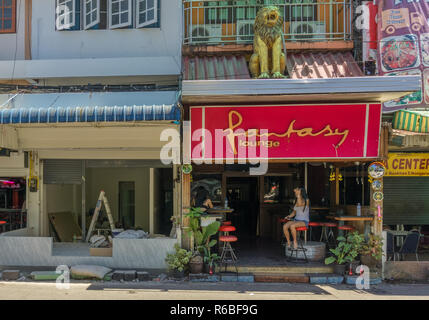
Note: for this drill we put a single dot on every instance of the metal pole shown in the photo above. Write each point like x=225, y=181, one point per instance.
x=83, y=200
x=306, y=176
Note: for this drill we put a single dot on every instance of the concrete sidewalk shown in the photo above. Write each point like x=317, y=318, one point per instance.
x=171, y=290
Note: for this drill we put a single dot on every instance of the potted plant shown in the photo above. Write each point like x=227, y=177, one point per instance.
x=371, y=251
x=196, y=263
x=345, y=252
x=178, y=261
x=203, y=243
x=210, y=261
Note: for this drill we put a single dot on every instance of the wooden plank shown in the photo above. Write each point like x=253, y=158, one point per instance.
x=353, y=218
x=65, y=226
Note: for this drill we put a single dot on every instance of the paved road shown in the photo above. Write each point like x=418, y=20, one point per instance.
x=208, y=291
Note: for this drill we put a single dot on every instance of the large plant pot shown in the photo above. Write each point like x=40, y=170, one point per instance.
x=196, y=267
x=369, y=261
x=340, y=269
x=207, y=268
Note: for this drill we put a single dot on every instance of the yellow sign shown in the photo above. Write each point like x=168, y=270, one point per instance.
x=407, y=164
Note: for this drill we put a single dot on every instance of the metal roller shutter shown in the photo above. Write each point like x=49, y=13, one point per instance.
x=406, y=200
x=126, y=164
x=62, y=171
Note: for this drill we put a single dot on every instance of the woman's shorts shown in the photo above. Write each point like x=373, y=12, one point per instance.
x=305, y=221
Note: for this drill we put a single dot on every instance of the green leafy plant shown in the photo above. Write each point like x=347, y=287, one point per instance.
x=179, y=260
x=210, y=258
x=347, y=249
x=203, y=237
x=194, y=220
x=373, y=247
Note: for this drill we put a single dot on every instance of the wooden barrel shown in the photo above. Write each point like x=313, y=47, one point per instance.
x=316, y=251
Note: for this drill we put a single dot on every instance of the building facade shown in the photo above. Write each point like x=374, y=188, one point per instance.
x=97, y=83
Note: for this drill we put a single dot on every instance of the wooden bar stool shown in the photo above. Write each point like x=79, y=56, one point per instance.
x=328, y=234
x=346, y=229
x=300, y=247
x=228, y=255
x=312, y=225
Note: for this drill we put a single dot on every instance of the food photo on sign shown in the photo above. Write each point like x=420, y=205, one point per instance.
x=403, y=34
x=414, y=98
x=399, y=52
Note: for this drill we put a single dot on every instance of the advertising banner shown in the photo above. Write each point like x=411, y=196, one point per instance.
x=403, y=34
x=407, y=164
x=287, y=132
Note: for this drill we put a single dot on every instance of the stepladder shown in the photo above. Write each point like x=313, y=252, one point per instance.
x=102, y=199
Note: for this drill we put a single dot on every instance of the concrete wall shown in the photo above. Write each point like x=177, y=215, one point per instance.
x=406, y=270
x=108, y=179
x=47, y=43
x=13, y=44
x=127, y=253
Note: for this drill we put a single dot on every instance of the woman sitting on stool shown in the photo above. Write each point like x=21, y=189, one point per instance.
x=301, y=212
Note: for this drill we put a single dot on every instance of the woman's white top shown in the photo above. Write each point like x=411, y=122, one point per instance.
x=302, y=214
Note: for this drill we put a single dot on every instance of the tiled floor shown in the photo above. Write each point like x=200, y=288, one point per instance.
x=264, y=252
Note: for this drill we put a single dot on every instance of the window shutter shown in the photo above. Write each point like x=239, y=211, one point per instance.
x=67, y=14
x=147, y=13
x=120, y=13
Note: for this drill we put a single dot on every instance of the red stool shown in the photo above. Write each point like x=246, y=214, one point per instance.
x=312, y=225
x=300, y=247
x=226, y=229
x=347, y=229
x=328, y=234
x=3, y=225
x=228, y=255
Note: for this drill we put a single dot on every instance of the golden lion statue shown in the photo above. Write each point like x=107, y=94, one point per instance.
x=268, y=60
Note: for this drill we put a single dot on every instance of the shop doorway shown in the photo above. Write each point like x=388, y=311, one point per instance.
x=127, y=204
x=243, y=196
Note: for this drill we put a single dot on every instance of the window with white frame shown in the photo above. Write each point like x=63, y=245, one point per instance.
x=146, y=12
x=91, y=12
x=95, y=14
x=102, y=14
x=120, y=13
x=65, y=14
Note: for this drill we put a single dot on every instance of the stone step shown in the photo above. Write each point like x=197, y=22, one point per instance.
x=298, y=269
x=282, y=277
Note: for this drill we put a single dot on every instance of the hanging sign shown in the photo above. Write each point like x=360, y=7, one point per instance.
x=336, y=131
x=377, y=185
x=407, y=164
x=376, y=170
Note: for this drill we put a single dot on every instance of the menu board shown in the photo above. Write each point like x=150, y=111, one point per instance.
x=403, y=33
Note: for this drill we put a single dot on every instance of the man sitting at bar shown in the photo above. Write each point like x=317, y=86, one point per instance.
x=201, y=199
x=301, y=215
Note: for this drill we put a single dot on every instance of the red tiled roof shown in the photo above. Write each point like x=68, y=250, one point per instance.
x=311, y=65
x=215, y=68
x=314, y=65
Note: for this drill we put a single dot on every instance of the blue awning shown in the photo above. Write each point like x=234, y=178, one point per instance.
x=90, y=114
x=89, y=107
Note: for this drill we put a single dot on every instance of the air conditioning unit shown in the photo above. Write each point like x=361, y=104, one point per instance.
x=245, y=31
x=206, y=33
x=307, y=30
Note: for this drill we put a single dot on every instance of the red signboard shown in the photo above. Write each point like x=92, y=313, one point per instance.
x=287, y=132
